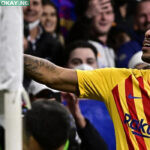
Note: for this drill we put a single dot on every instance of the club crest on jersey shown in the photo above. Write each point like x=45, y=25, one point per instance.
x=139, y=127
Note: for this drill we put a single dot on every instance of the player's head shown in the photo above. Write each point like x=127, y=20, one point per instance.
x=46, y=126
x=146, y=47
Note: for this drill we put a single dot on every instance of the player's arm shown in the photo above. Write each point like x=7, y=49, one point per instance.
x=48, y=73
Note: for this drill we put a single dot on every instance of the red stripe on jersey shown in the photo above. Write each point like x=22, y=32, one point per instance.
x=121, y=114
x=145, y=98
x=132, y=110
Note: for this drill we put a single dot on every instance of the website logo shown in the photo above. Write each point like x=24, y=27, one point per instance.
x=138, y=126
x=14, y=2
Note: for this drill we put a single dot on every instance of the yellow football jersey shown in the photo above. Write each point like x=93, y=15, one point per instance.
x=126, y=93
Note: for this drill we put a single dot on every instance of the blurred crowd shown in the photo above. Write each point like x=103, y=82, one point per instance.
x=86, y=35
x=115, y=28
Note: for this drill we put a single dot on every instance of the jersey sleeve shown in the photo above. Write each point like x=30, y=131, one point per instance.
x=98, y=84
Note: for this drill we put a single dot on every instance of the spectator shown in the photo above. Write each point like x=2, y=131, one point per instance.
x=94, y=11
x=124, y=91
x=41, y=43
x=124, y=13
x=90, y=138
x=50, y=20
x=117, y=37
x=94, y=25
x=83, y=55
x=46, y=126
x=142, y=22
x=38, y=91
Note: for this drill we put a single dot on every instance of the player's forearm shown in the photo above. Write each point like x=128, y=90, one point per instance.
x=39, y=69
x=48, y=73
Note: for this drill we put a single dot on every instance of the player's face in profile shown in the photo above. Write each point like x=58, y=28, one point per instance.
x=146, y=47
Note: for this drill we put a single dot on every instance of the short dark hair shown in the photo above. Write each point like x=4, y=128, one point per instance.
x=78, y=44
x=49, y=123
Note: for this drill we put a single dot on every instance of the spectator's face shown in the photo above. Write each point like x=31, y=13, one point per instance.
x=81, y=56
x=142, y=18
x=49, y=18
x=33, y=12
x=146, y=48
x=102, y=22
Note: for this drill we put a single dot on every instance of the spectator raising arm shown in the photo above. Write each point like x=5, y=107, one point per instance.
x=53, y=76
